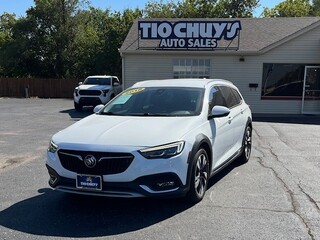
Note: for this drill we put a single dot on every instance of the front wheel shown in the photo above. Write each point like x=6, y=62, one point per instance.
x=78, y=106
x=199, y=176
x=246, y=145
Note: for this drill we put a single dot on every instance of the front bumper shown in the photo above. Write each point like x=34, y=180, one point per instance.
x=157, y=185
x=143, y=177
x=91, y=100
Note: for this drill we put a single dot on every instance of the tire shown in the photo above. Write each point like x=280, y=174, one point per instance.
x=111, y=97
x=199, y=177
x=246, y=145
x=77, y=107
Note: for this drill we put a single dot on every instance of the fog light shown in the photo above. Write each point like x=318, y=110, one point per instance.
x=160, y=183
x=166, y=184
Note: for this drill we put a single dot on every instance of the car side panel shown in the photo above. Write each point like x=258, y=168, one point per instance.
x=222, y=139
x=239, y=122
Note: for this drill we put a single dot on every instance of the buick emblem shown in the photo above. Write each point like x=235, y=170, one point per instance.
x=90, y=161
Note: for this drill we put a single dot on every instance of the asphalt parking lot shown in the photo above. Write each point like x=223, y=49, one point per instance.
x=276, y=195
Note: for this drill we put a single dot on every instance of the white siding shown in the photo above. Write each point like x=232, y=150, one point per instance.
x=303, y=49
x=146, y=67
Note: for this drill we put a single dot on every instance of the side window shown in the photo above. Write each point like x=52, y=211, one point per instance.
x=216, y=98
x=237, y=96
x=229, y=96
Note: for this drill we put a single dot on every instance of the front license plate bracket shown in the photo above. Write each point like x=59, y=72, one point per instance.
x=89, y=182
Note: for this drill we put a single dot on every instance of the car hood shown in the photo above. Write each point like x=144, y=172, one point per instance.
x=125, y=131
x=93, y=87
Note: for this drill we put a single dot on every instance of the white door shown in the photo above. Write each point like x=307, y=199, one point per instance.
x=221, y=130
x=223, y=136
x=311, y=90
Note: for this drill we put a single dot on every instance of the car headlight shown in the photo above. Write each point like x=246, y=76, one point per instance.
x=163, y=151
x=76, y=91
x=52, y=147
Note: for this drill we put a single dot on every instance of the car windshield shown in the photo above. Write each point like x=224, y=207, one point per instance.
x=97, y=81
x=156, y=101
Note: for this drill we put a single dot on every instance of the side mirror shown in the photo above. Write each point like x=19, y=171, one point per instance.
x=98, y=108
x=116, y=84
x=219, y=111
x=80, y=83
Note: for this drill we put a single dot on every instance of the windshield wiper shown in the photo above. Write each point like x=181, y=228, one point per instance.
x=155, y=114
x=107, y=113
x=147, y=114
x=136, y=114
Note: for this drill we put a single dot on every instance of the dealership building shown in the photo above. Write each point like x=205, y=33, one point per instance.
x=275, y=62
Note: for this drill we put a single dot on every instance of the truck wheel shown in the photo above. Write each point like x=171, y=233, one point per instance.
x=78, y=107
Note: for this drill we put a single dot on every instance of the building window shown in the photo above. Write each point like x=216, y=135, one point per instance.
x=282, y=81
x=191, y=68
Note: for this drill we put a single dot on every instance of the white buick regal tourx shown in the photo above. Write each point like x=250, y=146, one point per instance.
x=157, y=138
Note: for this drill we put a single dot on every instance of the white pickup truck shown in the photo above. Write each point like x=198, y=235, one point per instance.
x=96, y=90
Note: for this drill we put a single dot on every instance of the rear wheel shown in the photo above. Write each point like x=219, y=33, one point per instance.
x=199, y=176
x=246, y=145
x=78, y=106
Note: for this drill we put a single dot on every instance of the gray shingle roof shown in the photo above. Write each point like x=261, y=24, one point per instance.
x=257, y=34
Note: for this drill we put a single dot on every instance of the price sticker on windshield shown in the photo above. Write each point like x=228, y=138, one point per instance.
x=133, y=91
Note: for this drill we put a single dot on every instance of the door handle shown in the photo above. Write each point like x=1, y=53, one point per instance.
x=230, y=119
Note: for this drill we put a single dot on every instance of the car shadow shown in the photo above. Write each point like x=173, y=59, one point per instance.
x=59, y=214
x=86, y=111
x=53, y=213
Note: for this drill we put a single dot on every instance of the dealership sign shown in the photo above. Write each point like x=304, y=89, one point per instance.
x=189, y=34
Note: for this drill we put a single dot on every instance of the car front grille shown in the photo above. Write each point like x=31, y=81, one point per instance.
x=90, y=92
x=89, y=101
x=106, y=162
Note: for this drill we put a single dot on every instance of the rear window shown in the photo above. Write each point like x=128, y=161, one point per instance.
x=97, y=81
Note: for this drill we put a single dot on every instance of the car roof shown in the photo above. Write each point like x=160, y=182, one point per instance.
x=100, y=76
x=183, y=82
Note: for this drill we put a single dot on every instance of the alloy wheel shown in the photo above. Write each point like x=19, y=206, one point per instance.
x=247, y=143
x=201, y=174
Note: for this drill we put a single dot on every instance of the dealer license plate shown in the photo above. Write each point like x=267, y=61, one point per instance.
x=89, y=182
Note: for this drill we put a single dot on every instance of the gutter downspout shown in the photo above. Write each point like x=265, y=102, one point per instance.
x=123, y=72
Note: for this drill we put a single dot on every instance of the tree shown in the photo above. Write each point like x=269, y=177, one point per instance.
x=316, y=8
x=57, y=38
x=235, y=8
x=52, y=30
x=201, y=9
x=7, y=23
x=195, y=8
x=160, y=10
x=99, y=35
x=118, y=26
x=87, y=44
x=15, y=50
x=290, y=8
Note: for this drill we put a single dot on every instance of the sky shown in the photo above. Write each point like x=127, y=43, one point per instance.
x=19, y=7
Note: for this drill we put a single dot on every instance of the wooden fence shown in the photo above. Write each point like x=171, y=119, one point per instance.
x=36, y=87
